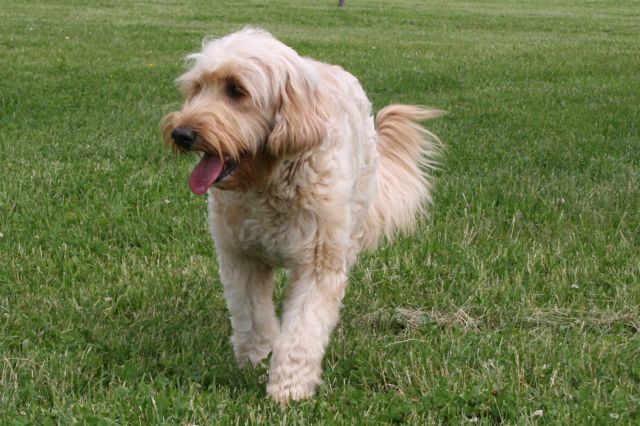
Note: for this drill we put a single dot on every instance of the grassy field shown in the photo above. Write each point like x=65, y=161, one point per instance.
x=518, y=302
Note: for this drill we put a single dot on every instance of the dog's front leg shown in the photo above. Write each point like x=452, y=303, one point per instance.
x=311, y=312
x=248, y=290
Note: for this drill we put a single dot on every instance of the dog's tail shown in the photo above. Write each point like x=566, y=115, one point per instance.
x=408, y=154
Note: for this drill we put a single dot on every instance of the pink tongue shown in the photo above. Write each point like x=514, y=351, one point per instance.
x=205, y=174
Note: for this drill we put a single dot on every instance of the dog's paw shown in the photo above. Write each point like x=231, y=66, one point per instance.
x=290, y=384
x=250, y=352
x=294, y=392
x=253, y=357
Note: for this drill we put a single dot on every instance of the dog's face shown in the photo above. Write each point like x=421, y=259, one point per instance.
x=249, y=101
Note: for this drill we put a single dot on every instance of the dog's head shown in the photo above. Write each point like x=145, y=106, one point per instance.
x=249, y=100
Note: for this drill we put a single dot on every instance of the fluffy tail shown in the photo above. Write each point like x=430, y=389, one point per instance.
x=408, y=154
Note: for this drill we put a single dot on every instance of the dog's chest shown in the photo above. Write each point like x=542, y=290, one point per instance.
x=271, y=229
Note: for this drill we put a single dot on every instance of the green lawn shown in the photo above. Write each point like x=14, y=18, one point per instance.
x=517, y=302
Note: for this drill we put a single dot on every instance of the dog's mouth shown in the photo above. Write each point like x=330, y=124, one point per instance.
x=210, y=170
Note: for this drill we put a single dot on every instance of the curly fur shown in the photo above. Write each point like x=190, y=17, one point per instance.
x=315, y=184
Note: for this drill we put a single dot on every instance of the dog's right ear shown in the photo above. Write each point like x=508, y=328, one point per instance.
x=300, y=122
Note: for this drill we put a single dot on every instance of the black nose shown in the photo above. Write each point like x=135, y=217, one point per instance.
x=184, y=136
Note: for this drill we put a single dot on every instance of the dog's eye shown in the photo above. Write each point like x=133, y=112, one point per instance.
x=234, y=91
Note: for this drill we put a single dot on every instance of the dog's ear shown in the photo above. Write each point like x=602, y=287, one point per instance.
x=300, y=122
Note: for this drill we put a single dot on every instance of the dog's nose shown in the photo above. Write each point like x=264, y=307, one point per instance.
x=184, y=136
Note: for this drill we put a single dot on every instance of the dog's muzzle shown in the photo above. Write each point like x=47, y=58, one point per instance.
x=184, y=136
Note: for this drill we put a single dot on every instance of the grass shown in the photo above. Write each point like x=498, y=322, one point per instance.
x=518, y=302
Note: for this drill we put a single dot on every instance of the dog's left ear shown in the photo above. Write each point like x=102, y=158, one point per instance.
x=300, y=122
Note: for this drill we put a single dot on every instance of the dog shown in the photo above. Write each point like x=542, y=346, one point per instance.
x=298, y=176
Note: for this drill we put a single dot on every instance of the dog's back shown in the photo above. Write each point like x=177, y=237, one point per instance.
x=392, y=163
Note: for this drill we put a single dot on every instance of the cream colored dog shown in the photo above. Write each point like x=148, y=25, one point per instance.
x=299, y=178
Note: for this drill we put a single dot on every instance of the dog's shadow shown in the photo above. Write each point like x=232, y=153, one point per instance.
x=181, y=340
